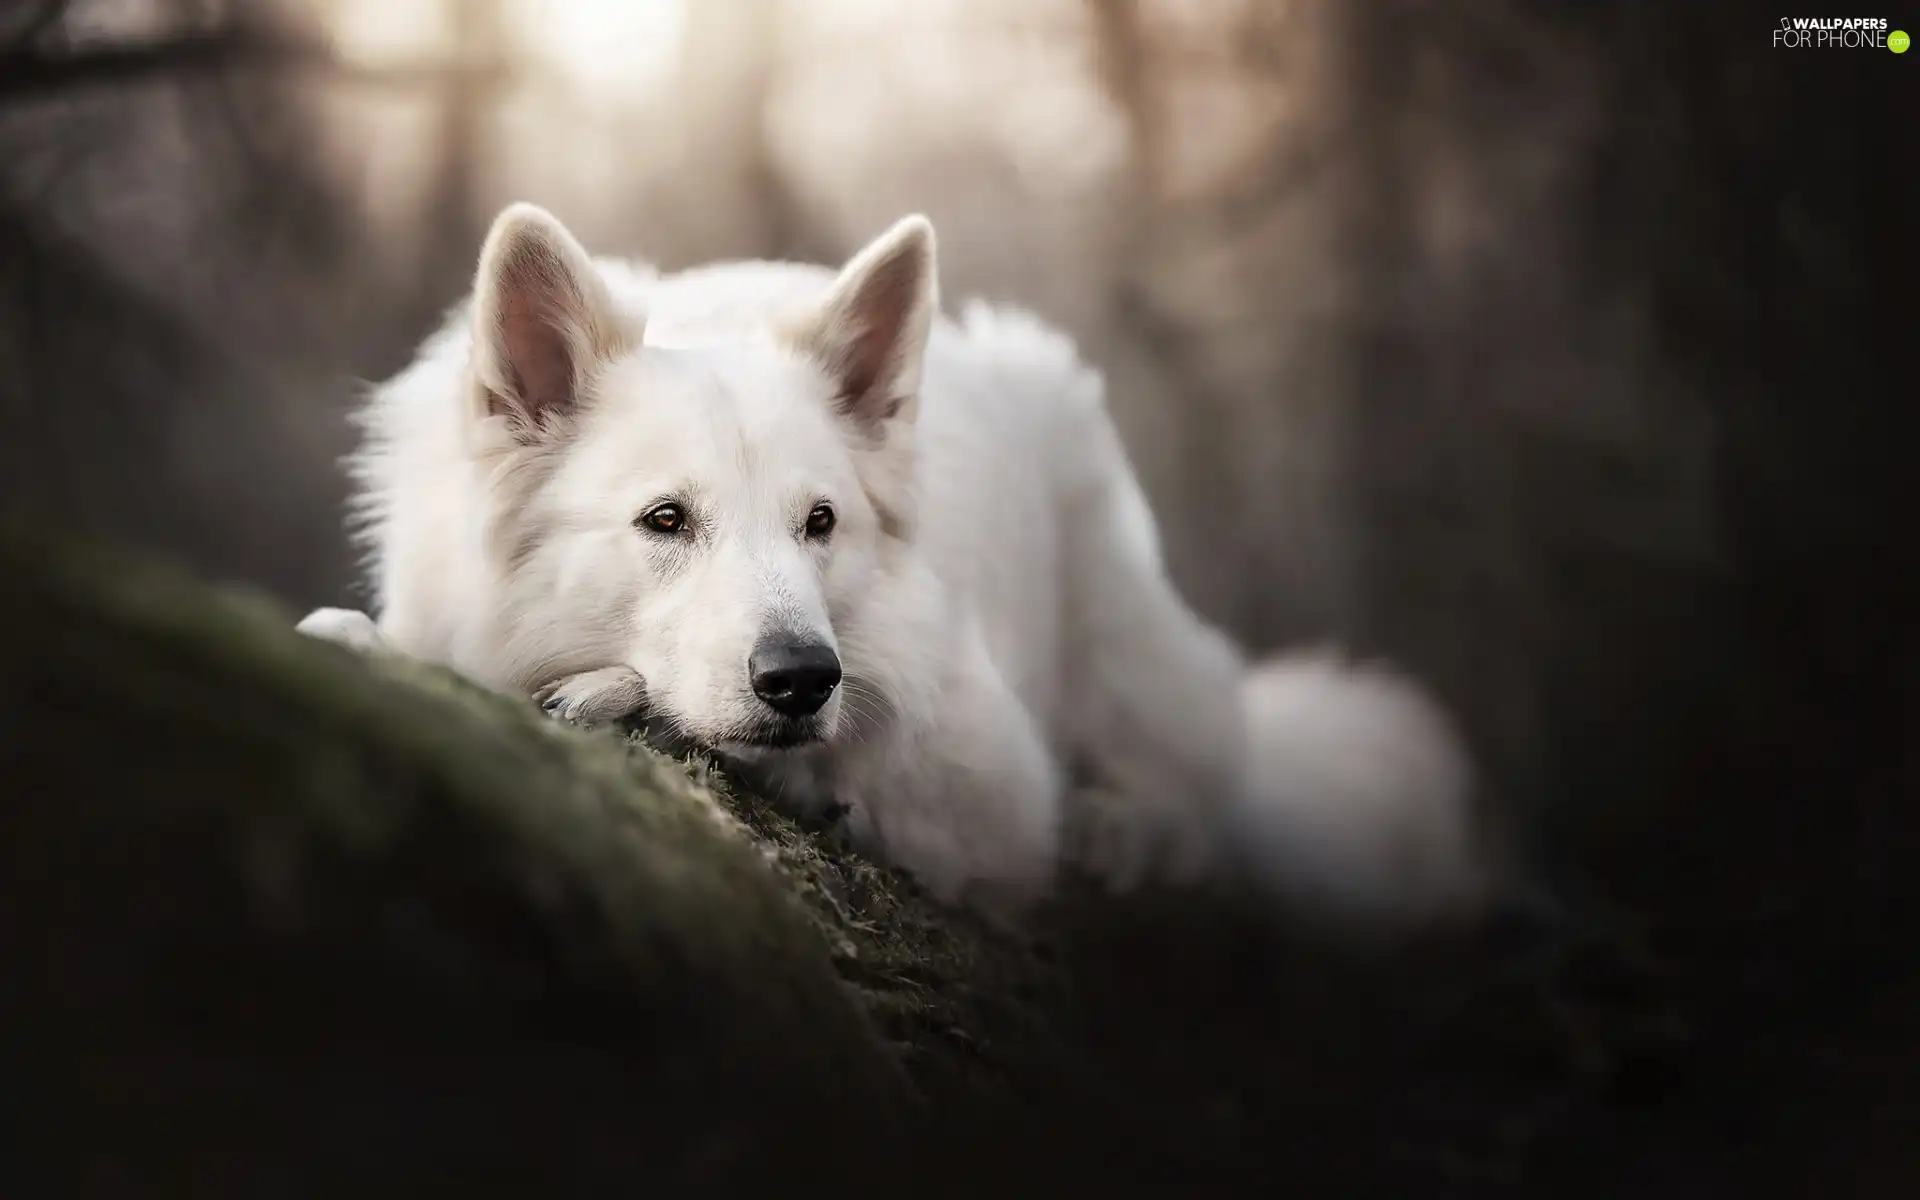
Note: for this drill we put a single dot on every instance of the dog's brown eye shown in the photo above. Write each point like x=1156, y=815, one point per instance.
x=664, y=518
x=820, y=521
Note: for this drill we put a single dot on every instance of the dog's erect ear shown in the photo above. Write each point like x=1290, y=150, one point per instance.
x=542, y=317
x=871, y=334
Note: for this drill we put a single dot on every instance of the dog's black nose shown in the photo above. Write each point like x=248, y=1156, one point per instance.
x=794, y=678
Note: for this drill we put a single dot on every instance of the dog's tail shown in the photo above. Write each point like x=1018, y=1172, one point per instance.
x=1357, y=796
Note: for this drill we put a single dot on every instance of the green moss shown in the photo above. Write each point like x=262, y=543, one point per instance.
x=193, y=779
x=324, y=898
x=963, y=1002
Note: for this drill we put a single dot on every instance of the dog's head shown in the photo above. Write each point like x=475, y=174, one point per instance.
x=711, y=514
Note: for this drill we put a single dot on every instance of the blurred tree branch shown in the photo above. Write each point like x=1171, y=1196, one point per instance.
x=39, y=19
x=28, y=71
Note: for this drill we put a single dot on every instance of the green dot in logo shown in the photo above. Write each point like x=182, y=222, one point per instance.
x=1898, y=41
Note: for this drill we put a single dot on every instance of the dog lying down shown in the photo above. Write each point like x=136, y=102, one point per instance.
x=877, y=557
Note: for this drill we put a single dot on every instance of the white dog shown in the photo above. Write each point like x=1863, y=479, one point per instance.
x=877, y=556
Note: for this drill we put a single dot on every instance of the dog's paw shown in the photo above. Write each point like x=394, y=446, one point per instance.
x=1105, y=841
x=595, y=697
x=343, y=626
x=1126, y=845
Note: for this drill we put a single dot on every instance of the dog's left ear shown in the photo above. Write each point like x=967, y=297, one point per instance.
x=871, y=334
x=542, y=318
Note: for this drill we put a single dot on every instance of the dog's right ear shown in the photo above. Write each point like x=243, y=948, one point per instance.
x=542, y=318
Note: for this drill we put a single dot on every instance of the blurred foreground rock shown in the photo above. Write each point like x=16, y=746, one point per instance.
x=278, y=920
x=278, y=917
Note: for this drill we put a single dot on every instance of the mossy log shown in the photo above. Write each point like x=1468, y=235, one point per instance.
x=284, y=919
x=269, y=897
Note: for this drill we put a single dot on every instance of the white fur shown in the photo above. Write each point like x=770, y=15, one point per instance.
x=354, y=630
x=1022, y=684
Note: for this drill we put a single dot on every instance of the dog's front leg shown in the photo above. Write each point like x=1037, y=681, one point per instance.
x=589, y=698
x=966, y=799
x=595, y=697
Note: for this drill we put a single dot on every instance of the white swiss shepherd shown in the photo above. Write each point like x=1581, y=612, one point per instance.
x=872, y=555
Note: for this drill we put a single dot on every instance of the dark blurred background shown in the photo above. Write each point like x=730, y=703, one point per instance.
x=1551, y=348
